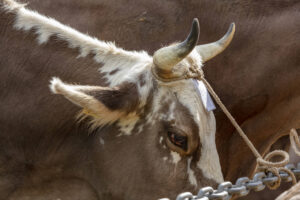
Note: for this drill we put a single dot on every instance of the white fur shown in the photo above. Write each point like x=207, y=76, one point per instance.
x=162, y=95
x=130, y=63
x=175, y=157
x=53, y=84
x=187, y=95
x=127, y=123
x=11, y=5
x=160, y=140
x=191, y=173
x=209, y=160
x=171, y=112
x=102, y=142
x=101, y=114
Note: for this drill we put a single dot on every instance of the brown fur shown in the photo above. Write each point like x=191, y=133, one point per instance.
x=257, y=77
x=125, y=98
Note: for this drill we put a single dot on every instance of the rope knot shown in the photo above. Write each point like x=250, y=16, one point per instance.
x=195, y=73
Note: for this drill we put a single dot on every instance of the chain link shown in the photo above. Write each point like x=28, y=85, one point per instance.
x=242, y=186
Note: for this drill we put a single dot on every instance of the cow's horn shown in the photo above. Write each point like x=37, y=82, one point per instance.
x=208, y=51
x=166, y=57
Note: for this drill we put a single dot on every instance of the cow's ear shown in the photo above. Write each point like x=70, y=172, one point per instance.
x=102, y=103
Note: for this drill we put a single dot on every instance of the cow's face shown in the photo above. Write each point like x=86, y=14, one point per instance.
x=155, y=132
x=185, y=128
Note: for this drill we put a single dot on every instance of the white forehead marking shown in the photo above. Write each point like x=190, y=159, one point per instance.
x=165, y=158
x=160, y=96
x=171, y=111
x=187, y=95
x=209, y=161
x=175, y=157
x=191, y=174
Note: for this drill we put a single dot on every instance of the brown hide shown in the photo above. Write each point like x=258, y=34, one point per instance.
x=257, y=77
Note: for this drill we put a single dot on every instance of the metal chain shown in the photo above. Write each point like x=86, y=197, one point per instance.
x=242, y=186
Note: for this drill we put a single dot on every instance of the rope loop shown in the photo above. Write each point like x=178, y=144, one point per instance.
x=266, y=161
x=290, y=173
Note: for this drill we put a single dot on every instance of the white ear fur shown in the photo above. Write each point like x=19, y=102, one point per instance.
x=55, y=83
x=12, y=5
x=73, y=94
x=91, y=106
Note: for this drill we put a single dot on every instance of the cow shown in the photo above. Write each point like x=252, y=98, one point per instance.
x=144, y=133
x=256, y=77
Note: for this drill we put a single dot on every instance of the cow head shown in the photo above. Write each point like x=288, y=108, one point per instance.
x=168, y=136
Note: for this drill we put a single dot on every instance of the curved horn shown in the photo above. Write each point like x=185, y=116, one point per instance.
x=208, y=51
x=166, y=57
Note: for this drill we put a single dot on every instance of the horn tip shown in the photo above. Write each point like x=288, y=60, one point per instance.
x=196, y=23
x=231, y=28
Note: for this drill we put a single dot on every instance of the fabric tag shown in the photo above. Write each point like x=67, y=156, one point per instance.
x=205, y=96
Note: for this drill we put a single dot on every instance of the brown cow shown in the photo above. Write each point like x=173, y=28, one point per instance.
x=257, y=80
x=150, y=135
x=257, y=77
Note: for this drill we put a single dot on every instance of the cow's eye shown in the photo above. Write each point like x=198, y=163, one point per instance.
x=178, y=139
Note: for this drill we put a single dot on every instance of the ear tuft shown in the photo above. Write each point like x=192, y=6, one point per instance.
x=105, y=105
x=12, y=5
x=55, y=84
